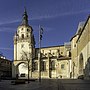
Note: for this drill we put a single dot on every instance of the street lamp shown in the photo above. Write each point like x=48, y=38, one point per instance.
x=39, y=56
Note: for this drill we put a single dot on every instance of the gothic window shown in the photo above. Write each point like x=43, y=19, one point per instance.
x=35, y=66
x=43, y=66
x=69, y=54
x=52, y=65
x=22, y=35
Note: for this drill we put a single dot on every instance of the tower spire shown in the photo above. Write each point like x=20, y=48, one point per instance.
x=25, y=11
x=25, y=17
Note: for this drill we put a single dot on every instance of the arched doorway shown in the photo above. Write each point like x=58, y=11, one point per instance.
x=81, y=64
x=22, y=70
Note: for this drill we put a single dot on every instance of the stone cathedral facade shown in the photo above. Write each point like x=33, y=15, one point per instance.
x=55, y=60
x=70, y=60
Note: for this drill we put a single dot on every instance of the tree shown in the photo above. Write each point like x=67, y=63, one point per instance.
x=28, y=57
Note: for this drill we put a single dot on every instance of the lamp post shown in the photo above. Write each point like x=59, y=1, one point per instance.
x=39, y=55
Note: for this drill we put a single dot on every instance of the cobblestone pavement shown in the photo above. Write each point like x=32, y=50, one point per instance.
x=47, y=84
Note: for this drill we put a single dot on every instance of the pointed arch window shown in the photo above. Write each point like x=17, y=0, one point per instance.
x=27, y=30
x=22, y=36
x=43, y=66
x=52, y=65
x=35, y=66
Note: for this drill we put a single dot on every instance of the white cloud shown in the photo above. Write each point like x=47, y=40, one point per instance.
x=60, y=14
x=6, y=49
x=9, y=22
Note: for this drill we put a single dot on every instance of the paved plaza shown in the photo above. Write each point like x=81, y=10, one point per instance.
x=50, y=84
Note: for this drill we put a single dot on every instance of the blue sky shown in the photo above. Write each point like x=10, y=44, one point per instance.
x=59, y=18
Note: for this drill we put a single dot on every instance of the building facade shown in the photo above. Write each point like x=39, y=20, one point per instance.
x=54, y=61
x=80, y=50
x=5, y=67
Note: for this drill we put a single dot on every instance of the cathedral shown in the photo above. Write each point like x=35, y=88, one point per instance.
x=53, y=62
x=70, y=60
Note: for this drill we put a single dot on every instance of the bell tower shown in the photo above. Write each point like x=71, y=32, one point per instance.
x=24, y=39
x=24, y=42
